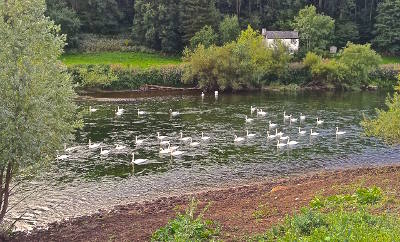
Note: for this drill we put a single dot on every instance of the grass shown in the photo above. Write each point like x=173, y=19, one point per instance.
x=390, y=59
x=132, y=59
x=345, y=217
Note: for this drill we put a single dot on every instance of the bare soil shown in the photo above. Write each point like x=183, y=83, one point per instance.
x=241, y=211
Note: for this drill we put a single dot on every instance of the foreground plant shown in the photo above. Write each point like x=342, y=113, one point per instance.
x=188, y=227
x=387, y=123
x=37, y=113
x=345, y=217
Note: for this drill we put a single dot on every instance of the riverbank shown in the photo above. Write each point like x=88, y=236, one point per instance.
x=241, y=210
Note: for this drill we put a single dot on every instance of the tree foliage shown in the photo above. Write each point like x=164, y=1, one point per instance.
x=229, y=29
x=315, y=30
x=387, y=27
x=206, y=36
x=244, y=63
x=37, y=112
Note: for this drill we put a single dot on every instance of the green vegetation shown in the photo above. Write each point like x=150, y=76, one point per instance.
x=206, y=36
x=36, y=96
x=391, y=60
x=387, y=123
x=315, y=30
x=345, y=217
x=188, y=227
x=245, y=63
x=138, y=60
x=351, y=69
x=387, y=27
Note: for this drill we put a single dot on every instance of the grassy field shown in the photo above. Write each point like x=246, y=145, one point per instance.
x=140, y=60
x=390, y=59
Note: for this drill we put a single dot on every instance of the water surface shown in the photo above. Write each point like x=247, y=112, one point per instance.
x=87, y=181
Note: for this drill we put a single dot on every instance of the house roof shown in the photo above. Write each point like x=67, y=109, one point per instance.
x=281, y=34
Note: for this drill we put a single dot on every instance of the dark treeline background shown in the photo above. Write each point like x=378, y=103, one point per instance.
x=168, y=25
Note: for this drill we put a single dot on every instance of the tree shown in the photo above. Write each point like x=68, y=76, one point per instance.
x=168, y=17
x=387, y=27
x=206, y=36
x=66, y=17
x=37, y=112
x=315, y=29
x=229, y=29
x=344, y=32
x=195, y=15
x=361, y=60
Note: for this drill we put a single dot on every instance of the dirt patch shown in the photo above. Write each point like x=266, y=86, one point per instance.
x=240, y=210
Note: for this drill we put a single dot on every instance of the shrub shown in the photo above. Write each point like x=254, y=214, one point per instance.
x=244, y=63
x=385, y=76
x=187, y=227
x=387, y=123
x=118, y=77
x=344, y=217
x=206, y=36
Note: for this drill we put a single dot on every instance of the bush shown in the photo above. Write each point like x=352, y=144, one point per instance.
x=344, y=217
x=187, y=227
x=244, y=63
x=385, y=76
x=206, y=36
x=118, y=77
x=387, y=123
x=101, y=43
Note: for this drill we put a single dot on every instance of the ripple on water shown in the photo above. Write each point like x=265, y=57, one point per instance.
x=89, y=181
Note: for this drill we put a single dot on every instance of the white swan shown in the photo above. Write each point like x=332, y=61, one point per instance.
x=177, y=153
x=302, y=117
x=270, y=136
x=238, y=139
x=216, y=93
x=193, y=144
x=280, y=145
x=284, y=138
x=252, y=109
x=120, y=147
x=165, y=142
x=104, y=152
x=285, y=117
x=138, y=161
x=184, y=139
x=250, y=135
x=293, y=120
x=70, y=149
x=319, y=121
x=140, y=112
x=313, y=133
x=94, y=145
x=62, y=157
x=278, y=134
x=92, y=110
x=202, y=94
x=159, y=137
x=302, y=132
x=261, y=112
x=248, y=120
x=139, y=141
x=272, y=125
x=174, y=113
x=165, y=151
x=339, y=132
x=204, y=138
x=291, y=142
x=119, y=111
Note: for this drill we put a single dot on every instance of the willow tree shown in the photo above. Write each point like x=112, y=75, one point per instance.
x=37, y=112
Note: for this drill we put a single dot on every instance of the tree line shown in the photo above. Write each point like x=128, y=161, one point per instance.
x=168, y=25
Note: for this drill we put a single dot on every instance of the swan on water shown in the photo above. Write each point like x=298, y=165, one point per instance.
x=261, y=112
x=140, y=112
x=270, y=136
x=120, y=147
x=94, y=145
x=319, y=121
x=174, y=113
x=278, y=134
x=285, y=117
x=272, y=125
x=302, y=132
x=138, y=161
x=248, y=120
x=339, y=132
x=139, y=141
x=92, y=110
x=313, y=133
x=204, y=138
x=302, y=117
x=291, y=142
x=104, y=152
x=238, y=139
x=185, y=139
x=250, y=135
x=193, y=144
x=280, y=145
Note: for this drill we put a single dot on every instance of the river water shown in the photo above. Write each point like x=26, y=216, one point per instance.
x=87, y=181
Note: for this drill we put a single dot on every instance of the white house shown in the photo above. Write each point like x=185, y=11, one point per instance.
x=289, y=38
